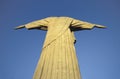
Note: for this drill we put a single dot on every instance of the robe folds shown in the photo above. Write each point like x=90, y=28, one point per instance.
x=58, y=57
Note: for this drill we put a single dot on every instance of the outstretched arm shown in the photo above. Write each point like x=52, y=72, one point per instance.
x=81, y=25
x=39, y=24
x=20, y=27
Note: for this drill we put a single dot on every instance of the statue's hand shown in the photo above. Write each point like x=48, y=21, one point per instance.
x=20, y=27
x=100, y=26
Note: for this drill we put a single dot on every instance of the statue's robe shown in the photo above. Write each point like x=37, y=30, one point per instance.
x=58, y=58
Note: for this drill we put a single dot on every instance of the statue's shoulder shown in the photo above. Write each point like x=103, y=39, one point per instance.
x=55, y=18
x=51, y=17
x=66, y=17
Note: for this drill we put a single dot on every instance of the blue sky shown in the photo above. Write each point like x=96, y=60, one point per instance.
x=98, y=50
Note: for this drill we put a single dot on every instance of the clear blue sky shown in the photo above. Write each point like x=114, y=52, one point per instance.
x=98, y=50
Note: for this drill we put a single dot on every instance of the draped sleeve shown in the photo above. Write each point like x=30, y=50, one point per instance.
x=39, y=24
x=81, y=25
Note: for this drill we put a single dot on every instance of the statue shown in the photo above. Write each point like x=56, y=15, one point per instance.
x=58, y=58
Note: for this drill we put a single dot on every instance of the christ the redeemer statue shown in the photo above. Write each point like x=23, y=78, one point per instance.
x=58, y=58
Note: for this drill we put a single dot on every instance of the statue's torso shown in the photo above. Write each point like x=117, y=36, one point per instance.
x=56, y=27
